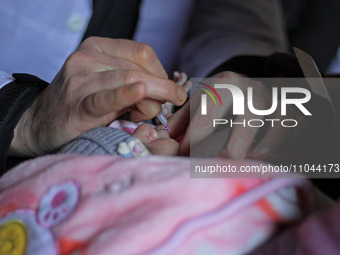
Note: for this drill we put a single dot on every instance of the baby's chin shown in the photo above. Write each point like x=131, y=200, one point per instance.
x=164, y=147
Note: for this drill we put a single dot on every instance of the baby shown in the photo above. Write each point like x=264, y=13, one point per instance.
x=121, y=138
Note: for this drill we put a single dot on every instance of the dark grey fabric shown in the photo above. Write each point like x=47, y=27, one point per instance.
x=313, y=26
x=113, y=19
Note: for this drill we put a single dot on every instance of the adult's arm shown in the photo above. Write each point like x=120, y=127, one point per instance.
x=15, y=98
x=222, y=29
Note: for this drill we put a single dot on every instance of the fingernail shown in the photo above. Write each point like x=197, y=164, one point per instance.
x=182, y=95
x=237, y=149
x=153, y=135
x=262, y=150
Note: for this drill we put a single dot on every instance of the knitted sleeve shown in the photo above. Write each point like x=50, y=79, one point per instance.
x=106, y=141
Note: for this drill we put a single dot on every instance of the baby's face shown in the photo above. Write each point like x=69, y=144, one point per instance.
x=156, y=140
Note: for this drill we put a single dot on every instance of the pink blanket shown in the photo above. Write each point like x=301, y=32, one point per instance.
x=110, y=205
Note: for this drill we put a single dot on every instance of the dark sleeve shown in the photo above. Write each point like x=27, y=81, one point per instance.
x=276, y=65
x=319, y=234
x=15, y=98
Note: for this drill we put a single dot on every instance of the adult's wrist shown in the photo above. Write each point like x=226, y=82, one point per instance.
x=15, y=98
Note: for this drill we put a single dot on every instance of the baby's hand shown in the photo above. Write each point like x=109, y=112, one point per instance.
x=156, y=140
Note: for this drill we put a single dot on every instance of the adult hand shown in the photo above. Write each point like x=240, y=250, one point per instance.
x=242, y=140
x=100, y=81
